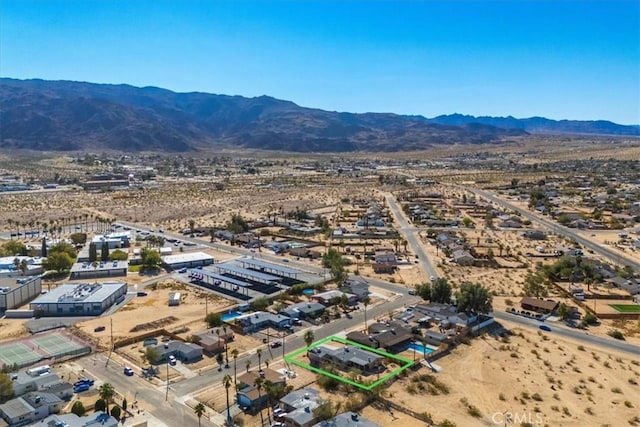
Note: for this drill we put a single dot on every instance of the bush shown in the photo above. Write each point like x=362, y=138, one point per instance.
x=213, y=320
x=78, y=408
x=115, y=412
x=616, y=334
x=100, y=405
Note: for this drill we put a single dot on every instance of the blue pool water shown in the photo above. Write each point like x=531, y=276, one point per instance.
x=229, y=316
x=308, y=292
x=419, y=348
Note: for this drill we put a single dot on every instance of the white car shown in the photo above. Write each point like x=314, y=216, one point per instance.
x=172, y=360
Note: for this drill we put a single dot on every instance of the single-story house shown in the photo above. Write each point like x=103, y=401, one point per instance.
x=30, y=407
x=248, y=396
x=538, y=305
x=213, y=341
x=362, y=338
x=72, y=420
x=348, y=419
x=258, y=320
x=184, y=351
x=357, y=286
x=463, y=257
x=327, y=298
x=347, y=358
x=299, y=405
x=303, y=310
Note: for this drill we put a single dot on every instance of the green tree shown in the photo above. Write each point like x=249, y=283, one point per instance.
x=66, y=248
x=234, y=354
x=12, y=248
x=258, y=385
x=474, y=298
x=440, y=291
x=152, y=355
x=78, y=238
x=309, y=337
x=93, y=252
x=199, y=410
x=106, y=392
x=365, y=301
x=58, y=261
x=100, y=406
x=213, y=320
x=226, y=381
x=125, y=404
x=104, y=252
x=259, y=353
x=6, y=387
x=237, y=225
x=118, y=255
x=334, y=261
x=563, y=311
x=259, y=304
x=219, y=359
x=150, y=259
x=534, y=286
x=467, y=222
x=424, y=291
x=78, y=408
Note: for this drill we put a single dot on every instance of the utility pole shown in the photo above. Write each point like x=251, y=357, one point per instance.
x=111, y=346
x=166, y=396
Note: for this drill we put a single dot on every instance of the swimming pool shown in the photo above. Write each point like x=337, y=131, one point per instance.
x=230, y=316
x=308, y=292
x=419, y=348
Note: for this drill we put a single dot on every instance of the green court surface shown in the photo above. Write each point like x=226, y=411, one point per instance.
x=404, y=363
x=18, y=354
x=626, y=308
x=56, y=345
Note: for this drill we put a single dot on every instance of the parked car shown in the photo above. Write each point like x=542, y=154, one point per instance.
x=172, y=360
x=128, y=371
x=545, y=328
x=84, y=381
x=142, y=294
x=182, y=270
x=99, y=329
x=411, y=292
x=275, y=344
x=81, y=387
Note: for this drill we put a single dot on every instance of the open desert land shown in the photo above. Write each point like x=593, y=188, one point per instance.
x=547, y=381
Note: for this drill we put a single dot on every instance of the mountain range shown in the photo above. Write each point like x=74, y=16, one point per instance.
x=75, y=116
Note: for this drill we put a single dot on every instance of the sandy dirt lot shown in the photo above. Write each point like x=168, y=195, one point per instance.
x=141, y=311
x=529, y=374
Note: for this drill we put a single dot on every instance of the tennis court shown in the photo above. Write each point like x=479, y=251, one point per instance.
x=57, y=345
x=17, y=353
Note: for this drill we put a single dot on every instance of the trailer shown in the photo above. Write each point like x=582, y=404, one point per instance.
x=174, y=299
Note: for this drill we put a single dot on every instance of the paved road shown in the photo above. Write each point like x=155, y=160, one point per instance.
x=150, y=397
x=562, y=230
x=410, y=232
x=291, y=343
x=565, y=331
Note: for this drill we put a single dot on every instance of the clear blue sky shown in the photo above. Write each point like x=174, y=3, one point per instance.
x=572, y=59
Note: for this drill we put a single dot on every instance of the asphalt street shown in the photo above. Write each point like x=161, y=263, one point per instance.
x=411, y=233
x=560, y=229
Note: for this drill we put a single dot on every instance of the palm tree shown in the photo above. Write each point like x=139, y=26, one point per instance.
x=199, y=410
x=258, y=384
x=309, y=337
x=106, y=392
x=365, y=301
x=234, y=354
x=226, y=381
x=259, y=353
